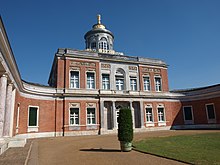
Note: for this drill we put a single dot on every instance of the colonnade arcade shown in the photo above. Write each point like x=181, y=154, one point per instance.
x=6, y=101
x=110, y=111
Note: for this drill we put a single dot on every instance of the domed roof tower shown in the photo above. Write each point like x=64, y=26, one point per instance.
x=99, y=39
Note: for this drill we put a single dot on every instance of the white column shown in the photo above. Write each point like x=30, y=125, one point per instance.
x=132, y=113
x=105, y=118
x=18, y=116
x=142, y=114
x=113, y=116
x=3, y=85
x=101, y=113
x=8, y=112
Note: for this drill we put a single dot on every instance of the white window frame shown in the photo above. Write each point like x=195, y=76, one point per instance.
x=33, y=128
x=188, y=121
x=149, y=123
x=133, y=86
x=161, y=123
x=146, y=76
x=104, y=85
x=94, y=79
x=70, y=116
x=210, y=120
x=78, y=79
x=90, y=118
x=155, y=84
x=119, y=85
x=103, y=44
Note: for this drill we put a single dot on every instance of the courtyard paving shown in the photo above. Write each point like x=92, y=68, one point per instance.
x=83, y=150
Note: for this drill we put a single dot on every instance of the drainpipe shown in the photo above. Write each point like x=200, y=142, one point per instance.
x=99, y=132
x=64, y=91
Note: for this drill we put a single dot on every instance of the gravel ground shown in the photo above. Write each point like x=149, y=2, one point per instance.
x=83, y=150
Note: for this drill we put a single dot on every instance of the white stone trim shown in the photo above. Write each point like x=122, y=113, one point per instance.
x=161, y=83
x=149, y=123
x=33, y=128
x=72, y=125
x=94, y=72
x=188, y=121
x=74, y=70
x=210, y=120
x=197, y=126
x=12, y=112
x=161, y=123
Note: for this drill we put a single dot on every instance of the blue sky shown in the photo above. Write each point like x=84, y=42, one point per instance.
x=183, y=33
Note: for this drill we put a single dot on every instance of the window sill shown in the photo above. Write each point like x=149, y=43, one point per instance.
x=162, y=123
x=92, y=126
x=32, y=128
x=212, y=121
x=188, y=122
x=74, y=127
x=150, y=124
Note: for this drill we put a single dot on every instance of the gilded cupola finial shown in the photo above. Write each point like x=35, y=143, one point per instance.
x=99, y=25
x=98, y=19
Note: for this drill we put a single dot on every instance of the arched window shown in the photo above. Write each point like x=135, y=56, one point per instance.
x=103, y=44
x=120, y=80
x=93, y=43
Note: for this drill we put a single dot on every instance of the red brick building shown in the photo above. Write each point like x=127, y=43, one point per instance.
x=88, y=87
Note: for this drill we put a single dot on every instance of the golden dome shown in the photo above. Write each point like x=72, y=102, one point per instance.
x=99, y=25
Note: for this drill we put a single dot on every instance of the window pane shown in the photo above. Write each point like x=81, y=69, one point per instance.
x=133, y=83
x=188, y=113
x=74, y=116
x=161, y=114
x=149, y=115
x=211, y=112
x=146, y=83
x=93, y=45
x=91, y=116
x=158, y=84
x=32, y=116
x=105, y=81
x=119, y=83
x=74, y=79
x=90, y=81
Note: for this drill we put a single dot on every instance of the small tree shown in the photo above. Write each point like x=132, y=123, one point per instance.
x=125, y=126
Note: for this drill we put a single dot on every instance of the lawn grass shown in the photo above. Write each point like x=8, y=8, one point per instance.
x=196, y=149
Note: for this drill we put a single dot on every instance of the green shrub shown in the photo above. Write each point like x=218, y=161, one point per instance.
x=125, y=125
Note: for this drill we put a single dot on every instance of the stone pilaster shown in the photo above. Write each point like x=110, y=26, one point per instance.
x=105, y=118
x=132, y=113
x=8, y=112
x=142, y=114
x=113, y=116
x=102, y=115
x=3, y=87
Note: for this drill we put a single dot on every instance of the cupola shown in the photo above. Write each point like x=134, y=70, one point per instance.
x=99, y=39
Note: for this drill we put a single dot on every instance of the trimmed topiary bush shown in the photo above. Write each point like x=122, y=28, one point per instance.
x=125, y=125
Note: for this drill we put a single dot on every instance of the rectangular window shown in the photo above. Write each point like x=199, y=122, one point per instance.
x=160, y=112
x=91, y=119
x=147, y=83
x=149, y=114
x=188, y=113
x=119, y=82
x=158, y=86
x=74, y=79
x=105, y=82
x=74, y=116
x=210, y=110
x=90, y=80
x=133, y=83
x=33, y=116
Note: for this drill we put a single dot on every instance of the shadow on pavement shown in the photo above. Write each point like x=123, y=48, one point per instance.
x=100, y=150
